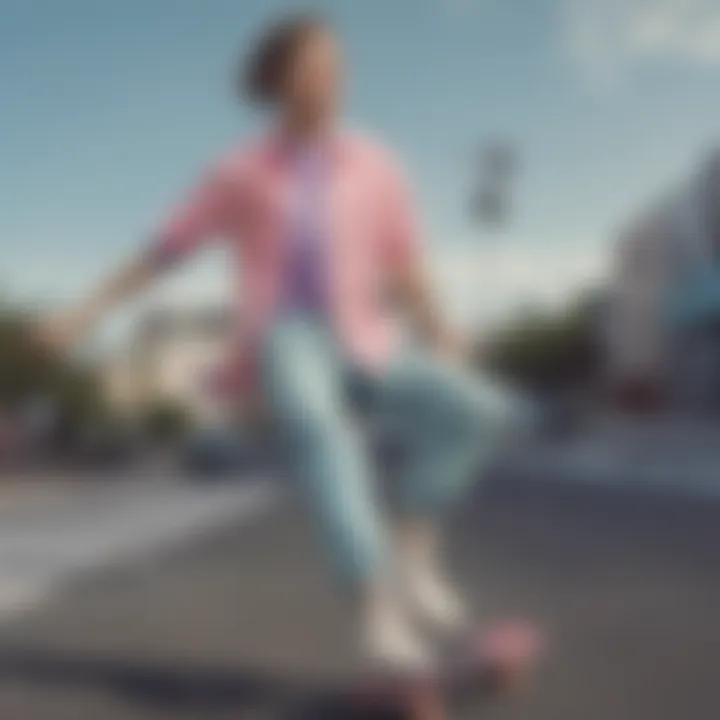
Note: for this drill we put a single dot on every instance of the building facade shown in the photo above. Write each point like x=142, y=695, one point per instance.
x=172, y=355
x=664, y=319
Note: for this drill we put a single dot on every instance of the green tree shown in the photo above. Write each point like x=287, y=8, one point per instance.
x=548, y=352
x=29, y=370
x=166, y=421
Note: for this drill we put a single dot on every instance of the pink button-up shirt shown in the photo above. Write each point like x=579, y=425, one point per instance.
x=246, y=201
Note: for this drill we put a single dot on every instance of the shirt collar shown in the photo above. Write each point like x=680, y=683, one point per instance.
x=282, y=149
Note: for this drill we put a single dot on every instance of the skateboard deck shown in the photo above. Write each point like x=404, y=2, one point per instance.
x=487, y=664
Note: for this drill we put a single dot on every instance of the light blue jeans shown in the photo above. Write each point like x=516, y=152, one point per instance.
x=448, y=418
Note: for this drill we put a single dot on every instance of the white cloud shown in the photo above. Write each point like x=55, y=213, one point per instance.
x=607, y=34
x=480, y=285
x=477, y=283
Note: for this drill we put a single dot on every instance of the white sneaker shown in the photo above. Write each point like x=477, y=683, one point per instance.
x=391, y=642
x=432, y=599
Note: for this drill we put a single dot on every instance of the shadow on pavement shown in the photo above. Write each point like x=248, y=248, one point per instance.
x=195, y=691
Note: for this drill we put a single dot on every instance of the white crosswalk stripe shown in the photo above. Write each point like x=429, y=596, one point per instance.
x=48, y=543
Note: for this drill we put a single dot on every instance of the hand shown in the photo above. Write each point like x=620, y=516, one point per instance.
x=451, y=346
x=237, y=384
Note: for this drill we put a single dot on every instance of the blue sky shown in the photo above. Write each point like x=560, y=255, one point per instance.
x=109, y=109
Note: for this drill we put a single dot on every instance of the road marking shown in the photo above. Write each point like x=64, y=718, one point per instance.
x=44, y=548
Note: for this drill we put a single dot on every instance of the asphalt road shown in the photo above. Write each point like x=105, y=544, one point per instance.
x=244, y=624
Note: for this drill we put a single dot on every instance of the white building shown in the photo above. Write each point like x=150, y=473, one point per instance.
x=171, y=355
x=662, y=255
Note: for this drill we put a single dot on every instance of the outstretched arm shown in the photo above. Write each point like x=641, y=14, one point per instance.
x=69, y=328
x=201, y=218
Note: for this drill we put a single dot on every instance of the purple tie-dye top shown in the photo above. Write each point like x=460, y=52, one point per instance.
x=305, y=281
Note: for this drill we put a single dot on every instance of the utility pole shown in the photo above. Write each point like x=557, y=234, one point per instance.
x=491, y=200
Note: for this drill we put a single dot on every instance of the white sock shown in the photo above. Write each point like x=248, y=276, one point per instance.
x=429, y=595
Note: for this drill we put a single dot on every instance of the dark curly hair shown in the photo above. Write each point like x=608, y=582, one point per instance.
x=261, y=73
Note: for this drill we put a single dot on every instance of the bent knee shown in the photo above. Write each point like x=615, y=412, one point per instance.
x=491, y=408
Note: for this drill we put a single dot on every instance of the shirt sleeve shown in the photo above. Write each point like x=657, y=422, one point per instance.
x=201, y=218
x=401, y=236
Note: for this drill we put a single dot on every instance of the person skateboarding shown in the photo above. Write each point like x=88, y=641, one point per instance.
x=330, y=265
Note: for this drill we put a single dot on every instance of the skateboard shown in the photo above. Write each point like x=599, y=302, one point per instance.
x=487, y=664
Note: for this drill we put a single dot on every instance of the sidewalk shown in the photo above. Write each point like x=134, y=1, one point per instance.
x=244, y=624
x=678, y=457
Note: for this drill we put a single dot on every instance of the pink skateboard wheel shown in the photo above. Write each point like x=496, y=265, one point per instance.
x=509, y=649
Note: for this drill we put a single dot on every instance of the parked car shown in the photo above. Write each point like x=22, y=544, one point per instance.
x=219, y=452
x=105, y=450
